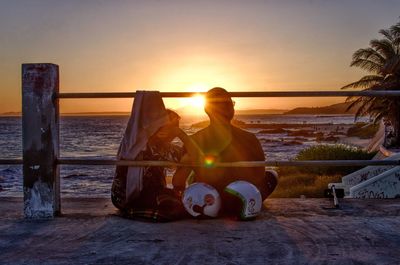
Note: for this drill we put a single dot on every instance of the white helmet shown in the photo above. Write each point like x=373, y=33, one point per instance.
x=201, y=199
x=242, y=199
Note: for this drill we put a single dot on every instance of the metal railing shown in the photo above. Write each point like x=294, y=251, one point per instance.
x=142, y=163
x=41, y=148
x=252, y=94
x=247, y=94
x=11, y=161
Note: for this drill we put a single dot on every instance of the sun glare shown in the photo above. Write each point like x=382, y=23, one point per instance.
x=197, y=101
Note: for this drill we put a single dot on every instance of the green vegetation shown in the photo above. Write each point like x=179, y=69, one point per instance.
x=332, y=152
x=312, y=181
x=295, y=184
x=382, y=61
x=363, y=130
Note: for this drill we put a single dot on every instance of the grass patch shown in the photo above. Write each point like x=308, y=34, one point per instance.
x=309, y=185
x=312, y=181
x=332, y=152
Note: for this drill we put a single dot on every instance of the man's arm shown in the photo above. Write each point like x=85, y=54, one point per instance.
x=193, y=150
x=181, y=175
x=194, y=155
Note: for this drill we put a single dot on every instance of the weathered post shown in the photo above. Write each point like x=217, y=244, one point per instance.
x=40, y=134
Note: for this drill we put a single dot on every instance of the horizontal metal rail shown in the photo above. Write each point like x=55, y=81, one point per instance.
x=99, y=162
x=68, y=161
x=11, y=161
x=335, y=93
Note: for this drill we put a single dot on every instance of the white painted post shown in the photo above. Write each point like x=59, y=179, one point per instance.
x=40, y=134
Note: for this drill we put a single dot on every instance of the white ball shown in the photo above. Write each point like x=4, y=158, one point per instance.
x=201, y=199
x=247, y=196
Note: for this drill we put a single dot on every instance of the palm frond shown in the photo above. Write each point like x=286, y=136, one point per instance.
x=382, y=59
x=361, y=111
x=365, y=82
x=369, y=54
x=368, y=65
x=390, y=82
x=388, y=34
x=395, y=30
x=353, y=104
x=383, y=47
x=377, y=118
x=362, y=103
x=392, y=65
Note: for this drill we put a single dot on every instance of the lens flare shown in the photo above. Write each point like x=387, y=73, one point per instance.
x=209, y=161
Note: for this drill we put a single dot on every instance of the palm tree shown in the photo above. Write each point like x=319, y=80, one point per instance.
x=382, y=61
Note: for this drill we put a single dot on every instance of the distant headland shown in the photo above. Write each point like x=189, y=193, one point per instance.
x=335, y=109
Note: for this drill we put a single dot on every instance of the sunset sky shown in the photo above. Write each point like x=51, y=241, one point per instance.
x=107, y=46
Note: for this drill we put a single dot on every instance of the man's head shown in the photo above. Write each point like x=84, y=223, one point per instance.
x=219, y=105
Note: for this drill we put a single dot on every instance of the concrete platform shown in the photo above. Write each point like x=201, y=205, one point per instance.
x=289, y=231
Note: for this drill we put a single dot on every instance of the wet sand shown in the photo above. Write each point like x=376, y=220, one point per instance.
x=289, y=231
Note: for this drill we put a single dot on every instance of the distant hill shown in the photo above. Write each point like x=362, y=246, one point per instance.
x=339, y=108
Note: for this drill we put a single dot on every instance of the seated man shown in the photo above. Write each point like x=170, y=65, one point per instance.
x=223, y=142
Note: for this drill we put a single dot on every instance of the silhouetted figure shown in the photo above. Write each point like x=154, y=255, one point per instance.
x=223, y=142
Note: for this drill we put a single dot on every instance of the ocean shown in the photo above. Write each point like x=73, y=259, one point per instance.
x=99, y=137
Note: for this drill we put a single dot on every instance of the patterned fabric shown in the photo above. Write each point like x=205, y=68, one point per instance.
x=168, y=208
x=155, y=202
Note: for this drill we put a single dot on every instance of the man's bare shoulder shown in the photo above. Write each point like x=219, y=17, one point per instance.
x=200, y=134
x=237, y=132
x=249, y=144
x=245, y=135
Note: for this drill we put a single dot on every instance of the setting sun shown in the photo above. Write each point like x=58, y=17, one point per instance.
x=194, y=105
x=197, y=101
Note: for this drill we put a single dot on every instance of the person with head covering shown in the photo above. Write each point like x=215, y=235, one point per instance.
x=141, y=192
x=223, y=142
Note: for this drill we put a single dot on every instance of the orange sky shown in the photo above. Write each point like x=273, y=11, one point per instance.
x=122, y=46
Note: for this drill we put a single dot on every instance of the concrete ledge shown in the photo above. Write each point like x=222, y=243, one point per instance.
x=385, y=185
x=368, y=172
x=289, y=231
